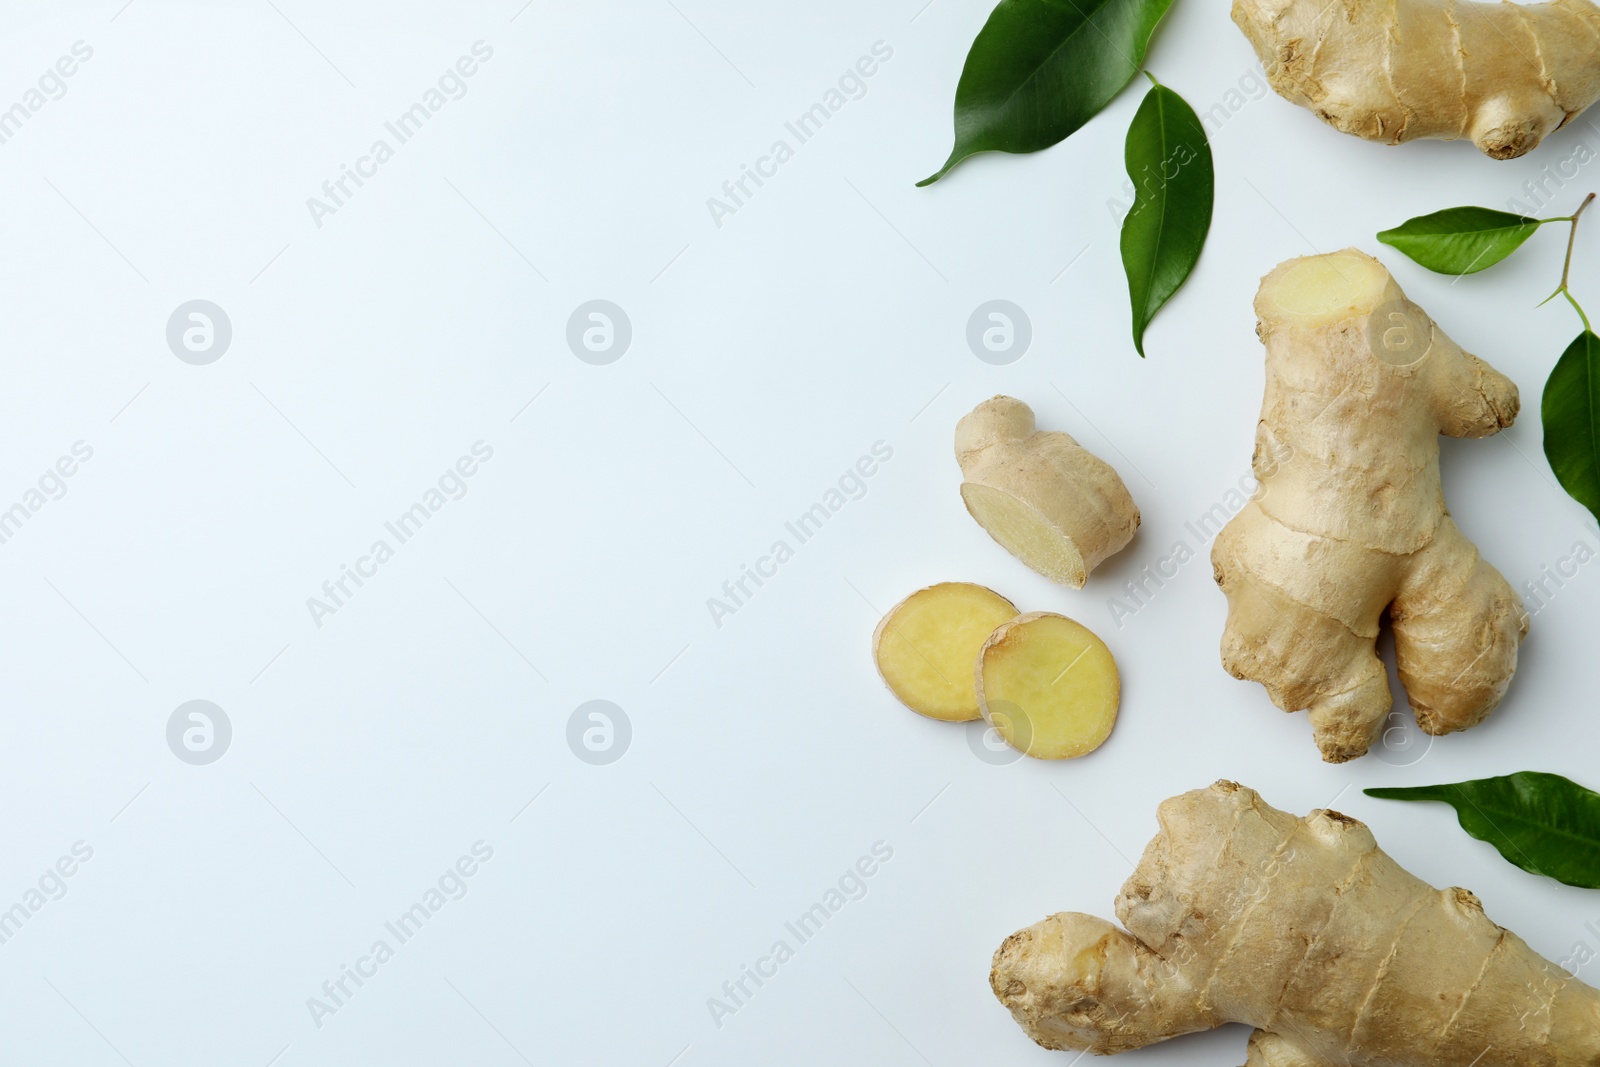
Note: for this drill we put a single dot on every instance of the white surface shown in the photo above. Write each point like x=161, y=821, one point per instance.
x=768, y=355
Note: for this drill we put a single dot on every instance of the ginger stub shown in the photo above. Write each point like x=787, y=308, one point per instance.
x=926, y=645
x=1350, y=522
x=1306, y=930
x=1048, y=686
x=1045, y=498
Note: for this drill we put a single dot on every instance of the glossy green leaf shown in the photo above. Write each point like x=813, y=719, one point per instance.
x=1570, y=412
x=1543, y=823
x=1169, y=163
x=1040, y=69
x=1461, y=240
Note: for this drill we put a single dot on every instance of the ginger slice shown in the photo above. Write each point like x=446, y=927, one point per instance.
x=1048, y=685
x=925, y=647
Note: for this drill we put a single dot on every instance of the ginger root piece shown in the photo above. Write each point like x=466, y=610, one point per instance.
x=1351, y=521
x=925, y=647
x=1048, y=686
x=1306, y=930
x=1502, y=74
x=1048, y=500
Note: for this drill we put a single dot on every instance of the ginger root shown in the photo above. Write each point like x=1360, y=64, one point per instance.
x=1306, y=930
x=926, y=645
x=1350, y=520
x=1048, y=500
x=1048, y=686
x=1502, y=74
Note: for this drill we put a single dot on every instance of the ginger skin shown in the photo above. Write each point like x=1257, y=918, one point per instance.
x=1502, y=74
x=1305, y=930
x=1045, y=498
x=1350, y=520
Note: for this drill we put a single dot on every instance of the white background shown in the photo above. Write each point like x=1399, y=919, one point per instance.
x=768, y=355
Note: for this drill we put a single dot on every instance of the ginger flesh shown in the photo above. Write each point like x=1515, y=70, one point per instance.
x=1305, y=930
x=1026, y=534
x=1045, y=498
x=1048, y=686
x=1350, y=523
x=926, y=645
x=1503, y=75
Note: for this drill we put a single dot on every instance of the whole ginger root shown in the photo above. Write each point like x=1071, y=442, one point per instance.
x=1502, y=74
x=1305, y=930
x=1350, y=520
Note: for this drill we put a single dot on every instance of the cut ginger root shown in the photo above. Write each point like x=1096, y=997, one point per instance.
x=1350, y=522
x=1048, y=686
x=1305, y=930
x=926, y=645
x=1045, y=498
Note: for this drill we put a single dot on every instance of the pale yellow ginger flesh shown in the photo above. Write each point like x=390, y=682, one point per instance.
x=1503, y=75
x=1350, y=522
x=926, y=645
x=1048, y=686
x=1048, y=500
x=1305, y=930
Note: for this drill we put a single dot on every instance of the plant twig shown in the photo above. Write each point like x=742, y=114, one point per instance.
x=1566, y=268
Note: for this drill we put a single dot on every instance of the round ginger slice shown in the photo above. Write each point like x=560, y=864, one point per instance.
x=1048, y=685
x=925, y=646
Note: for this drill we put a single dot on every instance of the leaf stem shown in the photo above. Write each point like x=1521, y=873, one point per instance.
x=1566, y=268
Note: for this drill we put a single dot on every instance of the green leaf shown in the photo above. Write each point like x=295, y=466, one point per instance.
x=1461, y=240
x=1570, y=412
x=1169, y=162
x=1543, y=823
x=1040, y=69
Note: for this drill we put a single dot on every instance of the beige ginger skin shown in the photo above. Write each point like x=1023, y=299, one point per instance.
x=1305, y=930
x=1350, y=521
x=1503, y=75
x=1045, y=498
